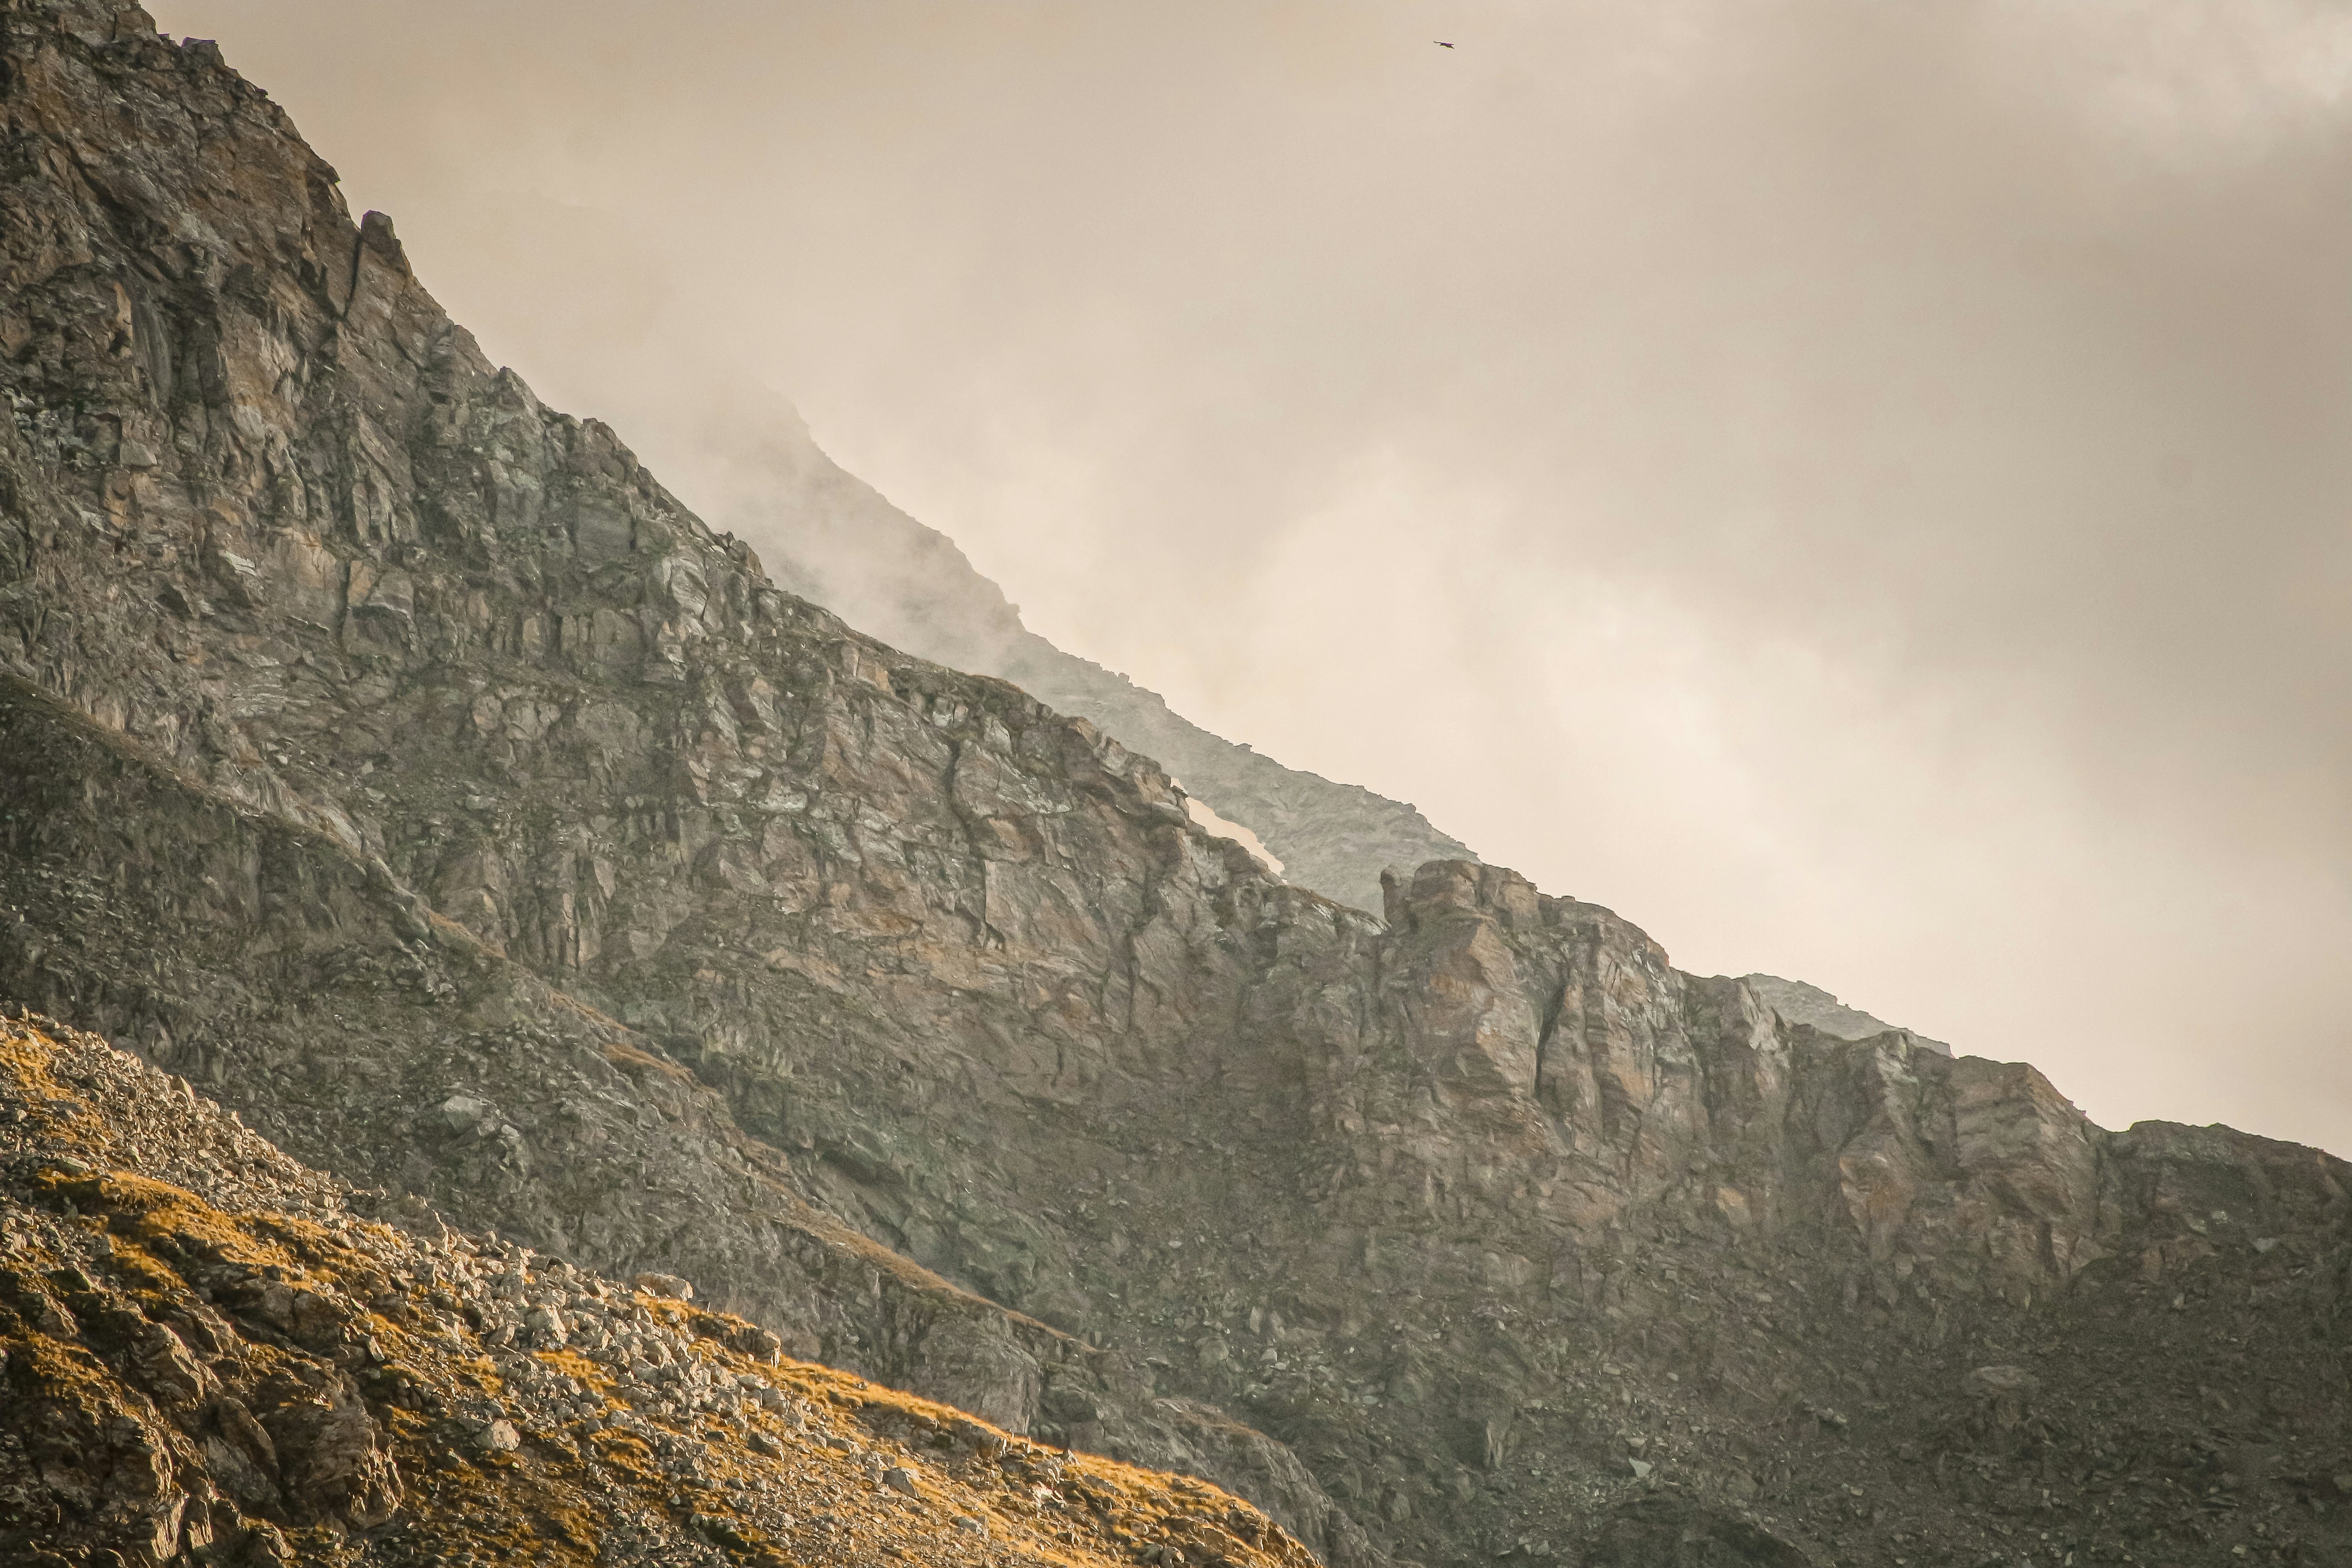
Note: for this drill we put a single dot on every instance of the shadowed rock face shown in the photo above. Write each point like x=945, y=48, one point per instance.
x=348, y=1018
x=396, y=759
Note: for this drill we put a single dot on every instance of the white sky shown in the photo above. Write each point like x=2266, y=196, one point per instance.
x=1860, y=488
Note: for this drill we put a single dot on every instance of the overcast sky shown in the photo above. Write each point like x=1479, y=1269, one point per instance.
x=1863, y=490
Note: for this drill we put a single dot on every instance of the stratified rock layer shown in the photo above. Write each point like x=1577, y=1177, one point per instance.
x=394, y=757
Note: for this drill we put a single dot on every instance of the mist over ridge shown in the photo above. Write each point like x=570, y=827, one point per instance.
x=1854, y=488
x=524, y=1039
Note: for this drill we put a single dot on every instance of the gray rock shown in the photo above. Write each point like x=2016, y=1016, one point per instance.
x=546, y=1328
x=393, y=733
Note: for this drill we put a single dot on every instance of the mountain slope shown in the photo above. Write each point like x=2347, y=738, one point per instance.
x=210, y=1355
x=354, y=1024
x=832, y=539
x=398, y=757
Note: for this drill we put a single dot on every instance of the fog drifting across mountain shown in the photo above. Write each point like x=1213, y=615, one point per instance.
x=829, y=537
x=1858, y=489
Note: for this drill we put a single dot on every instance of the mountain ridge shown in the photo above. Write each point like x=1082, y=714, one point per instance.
x=1803, y=1004
x=834, y=540
x=396, y=758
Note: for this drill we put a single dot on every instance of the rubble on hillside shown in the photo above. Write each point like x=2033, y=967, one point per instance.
x=208, y=1357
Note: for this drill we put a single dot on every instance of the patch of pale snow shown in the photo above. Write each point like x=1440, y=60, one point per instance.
x=1205, y=816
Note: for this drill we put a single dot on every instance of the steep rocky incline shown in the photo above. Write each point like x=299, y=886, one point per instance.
x=396, y=758
x=209, y=1354
x=833, y=539
x=355, y=1024
x=302, y=728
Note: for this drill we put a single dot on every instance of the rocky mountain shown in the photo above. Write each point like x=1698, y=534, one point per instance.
x=395, y=760
x=837, y=542
x=1802, y=1004
x=215, y=1355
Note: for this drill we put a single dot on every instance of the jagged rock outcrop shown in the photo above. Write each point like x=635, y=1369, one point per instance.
x=1334, y=838
x=396, y=758
x=210, y=1355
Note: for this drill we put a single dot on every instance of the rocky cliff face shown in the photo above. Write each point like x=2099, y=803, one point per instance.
x=396, y=759
x=354, y=1022
x=839, y=543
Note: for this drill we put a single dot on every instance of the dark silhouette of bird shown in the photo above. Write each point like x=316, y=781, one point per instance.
x=1441, y=43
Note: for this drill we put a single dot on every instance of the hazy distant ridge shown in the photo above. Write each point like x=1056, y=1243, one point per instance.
x=1803, y=1004
x=831, y=537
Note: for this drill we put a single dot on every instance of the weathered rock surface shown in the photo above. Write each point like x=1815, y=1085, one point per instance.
x=394, y=757
x=260, y=955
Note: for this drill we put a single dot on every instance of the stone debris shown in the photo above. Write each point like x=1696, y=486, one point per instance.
x=209, y=1360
